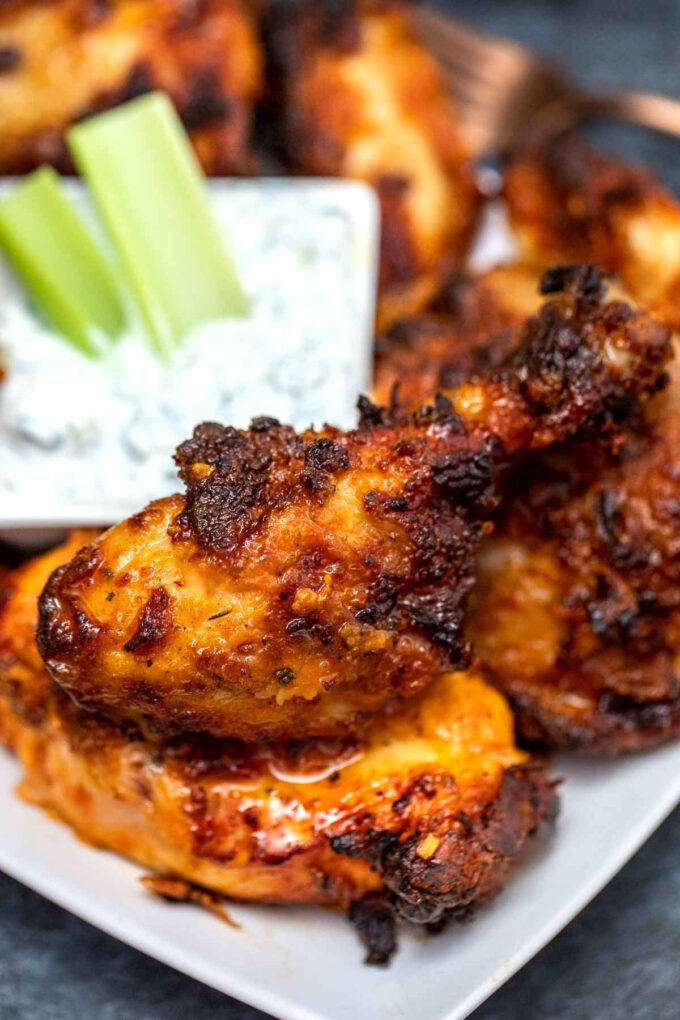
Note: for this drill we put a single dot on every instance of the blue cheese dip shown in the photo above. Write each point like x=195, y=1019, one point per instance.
x=74, y=430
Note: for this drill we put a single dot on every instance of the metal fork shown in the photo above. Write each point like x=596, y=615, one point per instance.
x=507, y=96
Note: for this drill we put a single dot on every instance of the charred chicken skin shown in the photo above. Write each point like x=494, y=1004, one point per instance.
x=307, y=580
x=576, y=612
x=63, y=61
x=422, y=816
x=357, y=95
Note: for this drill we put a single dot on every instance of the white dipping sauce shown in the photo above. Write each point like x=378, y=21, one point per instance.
x=74, y=430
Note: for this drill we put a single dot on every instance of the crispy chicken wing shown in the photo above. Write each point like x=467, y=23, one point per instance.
x=60, y=61
x=576, y=612
x=568, y=201
x=306, y=580
x=357, y=95
x=424, y=814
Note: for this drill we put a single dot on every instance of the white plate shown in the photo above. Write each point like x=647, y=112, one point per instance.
x=305, y=964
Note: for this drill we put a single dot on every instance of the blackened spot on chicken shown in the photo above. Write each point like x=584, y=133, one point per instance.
x=370, y=414
x=374, y=918
x=440, y=616
x=10, y=59
x=251, y=479
x=586, y=279
x=397, y=505
x=139, y=82
x=465, y=477
x=382, y=600
x=205, y=103
x=305, y=627
x=323, y=457
x=263, y=423
x=326, y=455
x=63, y=628
x=446, y=414
x=153, y=625
x=658, y=715
x=472, y=856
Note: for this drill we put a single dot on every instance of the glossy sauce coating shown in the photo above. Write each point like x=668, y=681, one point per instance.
x=429, y=808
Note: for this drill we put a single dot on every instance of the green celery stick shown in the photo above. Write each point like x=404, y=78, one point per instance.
x=71, y=281
x=150, y=190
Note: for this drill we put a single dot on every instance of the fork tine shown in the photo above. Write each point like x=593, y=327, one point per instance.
x=461, y=62
x=480, y=93
x=495, y=85
x=455, y=67
x=438, y=26
x=480, y=47
x=455, y=46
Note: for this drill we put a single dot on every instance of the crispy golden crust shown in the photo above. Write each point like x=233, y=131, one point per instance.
x=305, y=581
x=419, y=812
x=20, y=663
x=74, y=57
x=569, y=202
x=577, y=611
x=357, y=95
x=430, y=806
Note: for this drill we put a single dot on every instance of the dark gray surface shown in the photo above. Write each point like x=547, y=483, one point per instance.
x=621, y=957
x=618, y=960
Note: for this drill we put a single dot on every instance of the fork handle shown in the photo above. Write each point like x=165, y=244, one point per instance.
x=656, y=112
x=652, y=111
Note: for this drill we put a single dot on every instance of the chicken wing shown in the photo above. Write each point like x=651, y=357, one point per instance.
x=423, y=815
x=306, y=580
x=576, y=613
x=357, y=95
x=568, y=201
x=61, y=61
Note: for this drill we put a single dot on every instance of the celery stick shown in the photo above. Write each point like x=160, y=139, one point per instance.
x=150, y=190
x=46, y=241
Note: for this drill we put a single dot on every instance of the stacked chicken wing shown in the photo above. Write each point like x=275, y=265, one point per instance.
x=256, y=686
x=575, y=610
